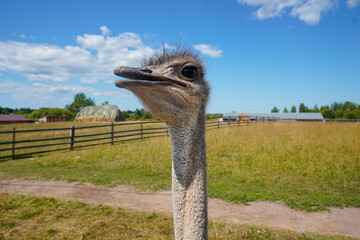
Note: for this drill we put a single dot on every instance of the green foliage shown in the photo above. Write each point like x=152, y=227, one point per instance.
x=346, y=110
x=21, y=111
x=303, y=108
x=34, y=114
x=339, y=113
x=51, y=112
x=138, y=114
x=328, y=113
x=275, y=110
x=213, y=115
x=105, y=103
x=285, y=110
x=350, y=114
x=80, y=101
x=316, y=109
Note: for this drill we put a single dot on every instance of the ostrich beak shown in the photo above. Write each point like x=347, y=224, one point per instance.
x=144, y=77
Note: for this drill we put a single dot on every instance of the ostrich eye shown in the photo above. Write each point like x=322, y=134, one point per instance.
x=189, y=72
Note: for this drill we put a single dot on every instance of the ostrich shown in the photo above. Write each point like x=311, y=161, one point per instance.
x=171, y=85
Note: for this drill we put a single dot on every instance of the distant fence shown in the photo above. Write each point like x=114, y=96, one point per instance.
x=341, y=120
x=20, y=143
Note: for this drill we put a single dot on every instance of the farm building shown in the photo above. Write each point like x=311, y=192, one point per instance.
x=288, y=117
x=104, y=113
x=13, y=119
x=51, y=119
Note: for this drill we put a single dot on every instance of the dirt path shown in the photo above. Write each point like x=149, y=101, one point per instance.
x=270, y=214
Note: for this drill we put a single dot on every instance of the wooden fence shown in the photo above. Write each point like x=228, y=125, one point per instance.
x=21, y=143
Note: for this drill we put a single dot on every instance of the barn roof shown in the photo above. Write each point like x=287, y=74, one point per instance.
x=13, y=118
x=282, y=116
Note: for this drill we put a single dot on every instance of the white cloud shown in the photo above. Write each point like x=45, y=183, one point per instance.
x=352, y=3
x=125, y=49
x=50, y=68
x=51, y=63
x=113, y=94
x=104, y=30
x=208, y=50
x=22, y=35
x=46, y=92
x=309, y=11
x=169, y=47
x=39, y=91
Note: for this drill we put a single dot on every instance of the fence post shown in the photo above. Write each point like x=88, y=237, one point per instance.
x=112, y=133
x=218, y=121
x=229, y=120
x=13, y=144
x=141, y=132
x=72, y=135
x=239, y=121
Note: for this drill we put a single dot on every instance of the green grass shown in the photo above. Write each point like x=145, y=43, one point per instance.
x=309, y=166
x=48, y=218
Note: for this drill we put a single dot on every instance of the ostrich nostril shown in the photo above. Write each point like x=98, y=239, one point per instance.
x=145, y=70
x=118, y=70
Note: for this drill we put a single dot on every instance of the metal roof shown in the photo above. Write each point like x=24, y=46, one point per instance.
x=282, y=116
x=13, y=118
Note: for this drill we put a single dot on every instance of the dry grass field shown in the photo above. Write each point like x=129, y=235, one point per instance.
x=309, y=166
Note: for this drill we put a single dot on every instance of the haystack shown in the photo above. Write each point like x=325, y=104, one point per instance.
x=104, y=113
x=243, y=118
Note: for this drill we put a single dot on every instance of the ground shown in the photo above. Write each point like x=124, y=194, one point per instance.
x=344, y=221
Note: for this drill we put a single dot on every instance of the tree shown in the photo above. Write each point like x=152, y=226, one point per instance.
x=293, y=109
x=324, y=107
x=350, y=114
x=328, y=113
x=80, y=101
x=285, y=110
x=105, y=103
x=50, y=112
x=303, y=108
x=349, y=105
x=316, y=109
x=275, y=110
x=339, y=113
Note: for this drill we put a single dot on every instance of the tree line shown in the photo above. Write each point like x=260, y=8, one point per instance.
x=344, y=110
x=70, y=110
x=341, y=110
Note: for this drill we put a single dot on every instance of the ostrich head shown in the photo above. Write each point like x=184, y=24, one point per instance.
x=170, y=84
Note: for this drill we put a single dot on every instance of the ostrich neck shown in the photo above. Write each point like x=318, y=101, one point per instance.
x=189, y=177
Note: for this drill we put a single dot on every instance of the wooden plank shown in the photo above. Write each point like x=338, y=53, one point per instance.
x=71, y=140
x=13, y=144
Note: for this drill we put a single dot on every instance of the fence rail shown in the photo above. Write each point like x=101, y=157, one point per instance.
x=71, y=138
x=341, y=120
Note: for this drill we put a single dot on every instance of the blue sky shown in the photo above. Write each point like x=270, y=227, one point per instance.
x=259, y=53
